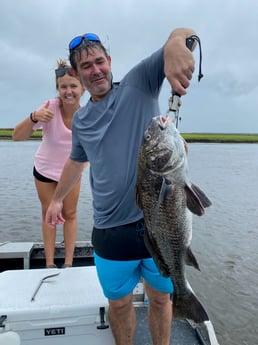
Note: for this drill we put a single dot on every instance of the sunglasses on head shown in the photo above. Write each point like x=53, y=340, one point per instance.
x=76, y=41
x=60, y=72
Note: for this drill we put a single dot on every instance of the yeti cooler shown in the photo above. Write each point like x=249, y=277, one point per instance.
x=53, y=307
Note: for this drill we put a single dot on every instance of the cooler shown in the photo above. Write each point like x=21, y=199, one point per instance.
x=65, y=309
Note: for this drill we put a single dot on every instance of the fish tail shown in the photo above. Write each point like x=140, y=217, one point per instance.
x=190, y=308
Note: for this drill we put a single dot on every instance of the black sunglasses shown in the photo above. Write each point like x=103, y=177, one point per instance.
x=76, y=41
x=60, y=72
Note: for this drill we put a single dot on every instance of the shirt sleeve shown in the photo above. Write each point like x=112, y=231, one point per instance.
x=77, y=153
x=148, y=75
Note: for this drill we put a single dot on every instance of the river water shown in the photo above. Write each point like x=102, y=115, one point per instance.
x=225, y=239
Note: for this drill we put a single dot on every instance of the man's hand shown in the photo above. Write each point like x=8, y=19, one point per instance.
x=178, y=61
x=54, y=214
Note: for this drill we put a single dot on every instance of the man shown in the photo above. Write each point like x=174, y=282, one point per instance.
x=108, y=133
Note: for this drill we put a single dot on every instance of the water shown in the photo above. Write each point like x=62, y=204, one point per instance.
x=20, y=212
x=225, y=239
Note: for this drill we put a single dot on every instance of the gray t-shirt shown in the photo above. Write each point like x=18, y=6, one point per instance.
x=109, y=133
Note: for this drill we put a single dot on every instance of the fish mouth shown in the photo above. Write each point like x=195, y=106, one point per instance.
x=163, y=121
x=158, y=122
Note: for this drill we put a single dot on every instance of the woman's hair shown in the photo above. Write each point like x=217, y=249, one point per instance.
x=62, y=69
x=61, y=63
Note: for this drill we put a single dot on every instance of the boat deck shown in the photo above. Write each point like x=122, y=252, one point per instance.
x=182, y=331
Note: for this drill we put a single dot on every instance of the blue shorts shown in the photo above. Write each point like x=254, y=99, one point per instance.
x=119, y=278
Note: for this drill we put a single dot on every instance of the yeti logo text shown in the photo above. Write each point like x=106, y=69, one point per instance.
x=55, y=331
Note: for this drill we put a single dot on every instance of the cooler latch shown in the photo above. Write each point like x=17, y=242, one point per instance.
x=102, y=325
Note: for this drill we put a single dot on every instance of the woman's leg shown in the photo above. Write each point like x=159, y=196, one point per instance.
x=45, y=192
x=69, y=213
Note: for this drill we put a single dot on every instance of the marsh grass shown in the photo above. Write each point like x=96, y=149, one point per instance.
x=221, y=137
x=6, y=133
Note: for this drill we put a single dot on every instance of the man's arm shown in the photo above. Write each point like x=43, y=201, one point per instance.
x=178, y=60
x=71, y=174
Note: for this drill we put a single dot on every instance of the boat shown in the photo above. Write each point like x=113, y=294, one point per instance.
x=25, y=261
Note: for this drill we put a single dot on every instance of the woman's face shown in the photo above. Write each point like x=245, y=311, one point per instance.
x=70, y=90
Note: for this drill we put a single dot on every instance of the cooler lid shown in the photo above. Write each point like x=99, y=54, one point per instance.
x=74, y=291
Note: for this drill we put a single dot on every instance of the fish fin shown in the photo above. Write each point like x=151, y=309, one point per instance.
x=138, y=198
x=196, y=199
x=193, y=202
x=201, y=195
x=165, y=190
x=189, y=308
x=152, y=246
x=163, y=187
x=190, y=259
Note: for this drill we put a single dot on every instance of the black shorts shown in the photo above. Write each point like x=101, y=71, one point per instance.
x=124, y=242
x=40, y=177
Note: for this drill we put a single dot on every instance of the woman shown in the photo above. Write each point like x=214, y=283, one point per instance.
x=55, y=118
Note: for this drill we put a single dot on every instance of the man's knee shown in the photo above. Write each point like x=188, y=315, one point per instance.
x=121, y=303
x=157, y=298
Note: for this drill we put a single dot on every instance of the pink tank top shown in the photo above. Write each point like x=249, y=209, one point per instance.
x=55, y=146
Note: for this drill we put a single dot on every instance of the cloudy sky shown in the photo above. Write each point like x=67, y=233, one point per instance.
x=35, y=33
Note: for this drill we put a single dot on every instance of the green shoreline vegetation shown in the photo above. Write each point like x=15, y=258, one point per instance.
x=6, y=133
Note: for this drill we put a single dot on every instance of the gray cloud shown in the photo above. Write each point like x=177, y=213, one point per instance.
x=34, y=34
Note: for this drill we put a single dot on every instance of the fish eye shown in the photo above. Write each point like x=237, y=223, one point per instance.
x=147, y=136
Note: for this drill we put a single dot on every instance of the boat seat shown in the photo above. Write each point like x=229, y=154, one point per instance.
x=10, y=250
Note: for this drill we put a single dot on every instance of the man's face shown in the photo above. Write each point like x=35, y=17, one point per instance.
x=94, y=70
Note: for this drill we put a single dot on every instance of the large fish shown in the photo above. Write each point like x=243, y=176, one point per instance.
x=168, y=200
